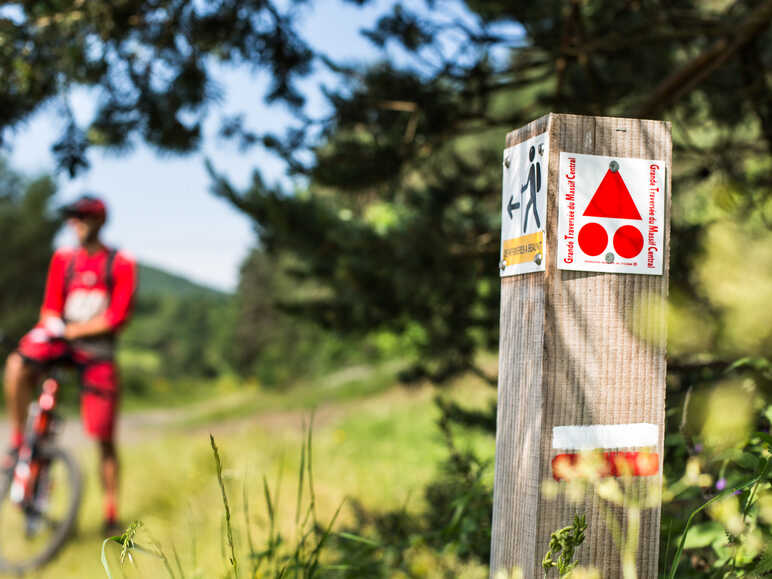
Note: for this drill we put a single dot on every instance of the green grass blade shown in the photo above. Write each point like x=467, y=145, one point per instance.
x=310, y=467
x=270, y=551
x=177, y=561
x=160, y=553
x=105, y=564
x=358, y=539
x=228, y=527
x=166, y=563
x=301, y=475
x=314, y=558
x=245, y=501
x=268, y=503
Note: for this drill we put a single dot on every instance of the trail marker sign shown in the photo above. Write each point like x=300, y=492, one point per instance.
x=610, y=214
x=524, y=206
x=582, y=345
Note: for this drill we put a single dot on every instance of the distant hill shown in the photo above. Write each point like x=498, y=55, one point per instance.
x=157, y=282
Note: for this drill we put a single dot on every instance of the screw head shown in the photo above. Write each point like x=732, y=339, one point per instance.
x=537, y=259
x=614, y=166
x=609, y=257
x=507, y=161
x=502, y=265
x=541, y=149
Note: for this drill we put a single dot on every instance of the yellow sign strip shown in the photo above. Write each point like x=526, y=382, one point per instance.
x=523, y=249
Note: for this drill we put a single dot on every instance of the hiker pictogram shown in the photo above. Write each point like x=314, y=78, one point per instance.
x=524, y=206
x=611, y=200
x=533, y=184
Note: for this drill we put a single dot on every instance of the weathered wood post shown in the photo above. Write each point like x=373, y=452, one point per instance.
x=585, y=243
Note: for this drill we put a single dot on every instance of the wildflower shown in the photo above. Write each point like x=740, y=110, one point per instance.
x=727, y=512
x=765, y=507
x=610, y=490
x=550, y=489
x=575, y=490
x=584, y=573
x=503, y=574
x=654, y=495
x=693, y=475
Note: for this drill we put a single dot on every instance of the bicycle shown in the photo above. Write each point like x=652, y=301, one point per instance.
x=40, y=496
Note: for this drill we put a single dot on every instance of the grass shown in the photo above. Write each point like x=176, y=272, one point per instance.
x=305, y=395
x=373, y=440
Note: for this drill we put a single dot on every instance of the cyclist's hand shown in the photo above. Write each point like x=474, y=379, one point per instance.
x=71, y=332
x=54, y=326
x=51, y=328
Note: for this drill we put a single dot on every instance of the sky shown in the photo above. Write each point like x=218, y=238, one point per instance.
x=160, y=207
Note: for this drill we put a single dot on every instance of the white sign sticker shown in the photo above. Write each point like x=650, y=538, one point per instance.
x=611, y=214
x=524, y=206
x=598, y=436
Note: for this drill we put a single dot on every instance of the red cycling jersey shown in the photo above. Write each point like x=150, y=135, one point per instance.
x=77, y=290
x=85, y=296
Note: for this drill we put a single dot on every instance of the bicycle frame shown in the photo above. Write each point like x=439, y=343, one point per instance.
x=40, y=427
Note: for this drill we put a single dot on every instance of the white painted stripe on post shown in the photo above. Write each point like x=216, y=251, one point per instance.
x=604, y=436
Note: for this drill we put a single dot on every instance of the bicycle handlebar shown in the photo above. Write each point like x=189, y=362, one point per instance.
x=8, y=342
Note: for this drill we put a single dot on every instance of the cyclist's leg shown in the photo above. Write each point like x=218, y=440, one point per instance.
x=99, y=406
x=110, y=471
x=18, y=382
x=22, y=371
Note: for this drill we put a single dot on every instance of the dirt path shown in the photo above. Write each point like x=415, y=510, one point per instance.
x=138, y=426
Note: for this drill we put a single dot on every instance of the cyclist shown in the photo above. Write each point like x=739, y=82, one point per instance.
x=88, y=298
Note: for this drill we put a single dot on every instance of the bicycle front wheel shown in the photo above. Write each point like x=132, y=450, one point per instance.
x=31, y=535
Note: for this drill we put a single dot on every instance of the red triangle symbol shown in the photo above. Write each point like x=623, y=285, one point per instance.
x=612, y=199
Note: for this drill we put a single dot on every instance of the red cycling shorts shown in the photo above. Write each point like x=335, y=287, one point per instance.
x=98, y=377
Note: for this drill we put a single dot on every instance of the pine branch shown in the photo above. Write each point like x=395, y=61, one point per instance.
x=687, y=78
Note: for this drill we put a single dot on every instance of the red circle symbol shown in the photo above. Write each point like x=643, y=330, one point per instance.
x=593, y=239
x=628, y=241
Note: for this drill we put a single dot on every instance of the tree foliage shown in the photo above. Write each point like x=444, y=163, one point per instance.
x=401, y=219
x=267, y=337
x=184, y=333
x=148, y=62
x=28, y=233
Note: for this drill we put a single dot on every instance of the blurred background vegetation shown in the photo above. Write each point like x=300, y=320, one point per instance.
x=385, y=247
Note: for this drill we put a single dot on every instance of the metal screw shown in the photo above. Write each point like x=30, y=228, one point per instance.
x=508, y=161
x=614, y=166
x=502, y=265
x=537, y=259
x=541, y=149
x=609, y=257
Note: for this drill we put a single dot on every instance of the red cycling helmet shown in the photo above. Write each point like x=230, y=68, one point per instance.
x=85, y=206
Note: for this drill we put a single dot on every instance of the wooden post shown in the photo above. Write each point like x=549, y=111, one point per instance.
x=580, y=349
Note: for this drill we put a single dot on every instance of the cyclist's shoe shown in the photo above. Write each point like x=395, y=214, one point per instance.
x=8, y=462
x=112, y=528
